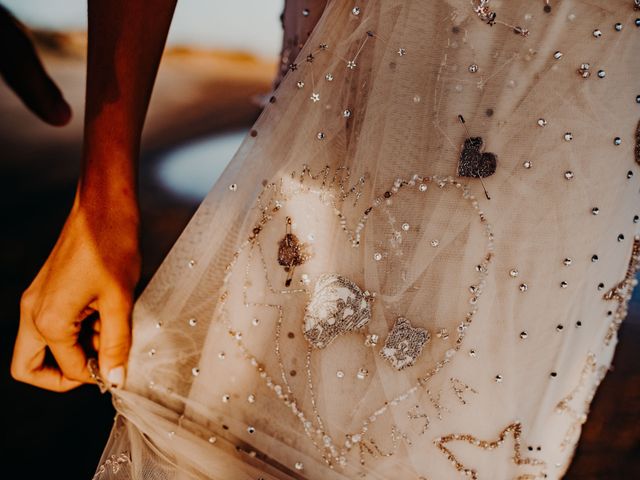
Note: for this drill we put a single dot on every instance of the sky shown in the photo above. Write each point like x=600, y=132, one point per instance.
x=249, y=25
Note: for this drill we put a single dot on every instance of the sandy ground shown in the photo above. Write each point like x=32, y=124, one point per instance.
x=47, y=435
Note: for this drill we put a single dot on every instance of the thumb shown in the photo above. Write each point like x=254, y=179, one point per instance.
x=115, y=340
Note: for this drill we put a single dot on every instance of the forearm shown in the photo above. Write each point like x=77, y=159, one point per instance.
x=126, y=40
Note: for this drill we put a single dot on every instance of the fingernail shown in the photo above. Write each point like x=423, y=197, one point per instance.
x=116, y=376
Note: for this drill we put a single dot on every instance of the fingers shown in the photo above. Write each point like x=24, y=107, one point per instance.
x=28, y=366
x=115, y=338
x=22, y=70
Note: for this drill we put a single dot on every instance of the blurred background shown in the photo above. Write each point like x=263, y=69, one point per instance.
x=220, y=60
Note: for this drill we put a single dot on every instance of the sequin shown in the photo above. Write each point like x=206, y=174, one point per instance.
x=567, y=261
x=568, y=174
x=568, y=136
x=617, y=141
x=602, y=74
x=405, y=227
x=527, y=164
x=346, y=113
x=233, y=187
x=618, y=27
x=320, y=135
x=362, y=373
x=404, y=344
x=542, y=122
x=315, y=97
x=595, y=211
x=513, y=272
x=299, y=466
x=523, y=287
x=193, y=322
x=300, y=84
x=355, y=11
x=402, y=52
x=597, y=33
x=523, y=335
x=195, y=371
x=337, y=306
x=329, y=77
x=473, y=68
x=558, y=55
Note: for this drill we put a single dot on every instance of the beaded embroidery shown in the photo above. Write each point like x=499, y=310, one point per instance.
x=404, y=344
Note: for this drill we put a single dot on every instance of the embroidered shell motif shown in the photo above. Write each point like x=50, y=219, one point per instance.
x=404, y=344
x=337, y=306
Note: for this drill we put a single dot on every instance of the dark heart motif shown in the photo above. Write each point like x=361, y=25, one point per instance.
x=473, y=162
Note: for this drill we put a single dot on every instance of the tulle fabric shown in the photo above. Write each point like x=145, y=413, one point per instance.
x=223, y=379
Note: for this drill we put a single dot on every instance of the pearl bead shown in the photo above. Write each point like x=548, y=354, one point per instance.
x=193, y=322
x=377, y=256
x=597, y=33
x=618, y=27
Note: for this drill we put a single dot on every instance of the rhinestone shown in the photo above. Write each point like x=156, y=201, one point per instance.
x=320, y=135
x=600, y=286
x=251, y=398
x=559, y=327
x=192, y=263
x=340, y=374
x=523, y=287
x=617, y=141
x=362, y=373
x=402, y=52
x=568, y=136
x=300, y=84
x=498, y=378
x=255, y=322
x=305, y=12
x=422, y=187
x=329, y=77
x=405, y=227
x=233, y=187
x=523, y=334
x=299, y=466
x=371, y=340
x=222, y=355
x=567, y=261
x=602, y=74
x=193, y=322
x=542, y=122
x=595, y=210
x=557, y=55
x=152, y=352
x=513, y=272
x=251, y=429
x=356, y=11
x=629, y=174
x=195, y=371
x=527, y=164
x=618, y=27
x=620, y=237
x=554, y=374
x=594, y=258
x=377, y=256
x=563, y=284
x=212, y=440
x=636, y=219
x=346, y=113
x=568, y=174
x=315, y=97
x=435, y=243
x=226, y=397
x=473, y=68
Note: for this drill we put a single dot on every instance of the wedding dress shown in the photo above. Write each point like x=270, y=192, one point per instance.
x=347, y=302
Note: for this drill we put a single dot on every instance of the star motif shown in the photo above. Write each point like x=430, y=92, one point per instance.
x=323, y=46
x=402, y=52
x=315, y=97
x=310, y=58
x=293, y=66
x=351, y=64
x=514, y=429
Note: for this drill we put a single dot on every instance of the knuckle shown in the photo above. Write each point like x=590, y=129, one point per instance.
x=27, y=300
x=117, y=350
x=48, y=325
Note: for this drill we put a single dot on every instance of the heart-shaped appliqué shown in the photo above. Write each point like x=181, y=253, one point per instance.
x=337, y=306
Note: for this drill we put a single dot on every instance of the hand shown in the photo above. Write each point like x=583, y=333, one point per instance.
x=24, y=73
x=93, y=267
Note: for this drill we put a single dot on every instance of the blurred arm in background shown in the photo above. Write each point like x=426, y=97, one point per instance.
x=95, y=263
x=23, y=71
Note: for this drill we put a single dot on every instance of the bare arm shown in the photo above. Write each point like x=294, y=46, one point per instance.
x=95, y=264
